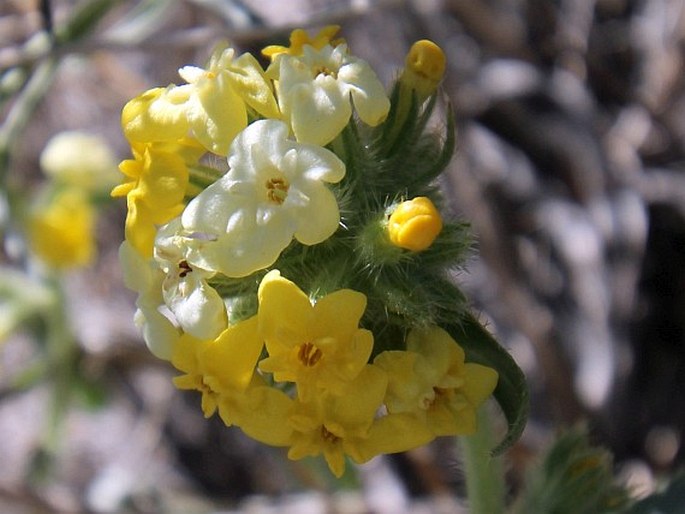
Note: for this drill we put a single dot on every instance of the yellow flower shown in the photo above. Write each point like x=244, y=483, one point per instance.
x=218, y=96
x=320, y=346
x=155, y=187
x=61, y=228
x=299, y=38
x=424, y=68
x=348, y=424
x=431, y=380
x=221, y=369
x=158, y=114
x=414, y=224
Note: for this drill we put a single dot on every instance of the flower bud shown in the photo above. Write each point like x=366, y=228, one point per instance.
x=414, y=224
x=424, y=68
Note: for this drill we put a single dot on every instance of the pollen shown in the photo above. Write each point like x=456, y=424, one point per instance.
x=309, y=354
x=277, y=190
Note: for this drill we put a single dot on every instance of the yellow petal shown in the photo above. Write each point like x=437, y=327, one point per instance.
x=391, y=434
x=285, y=312
x=266, y=419
x=480, y=382
x=337, y=314
x=232, y=356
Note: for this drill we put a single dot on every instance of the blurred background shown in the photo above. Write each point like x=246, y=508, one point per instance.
x=570, y=168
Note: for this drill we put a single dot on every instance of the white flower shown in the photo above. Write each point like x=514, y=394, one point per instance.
x=314, y=91
x=273, y=191
x=144, y=277
x=197, y=307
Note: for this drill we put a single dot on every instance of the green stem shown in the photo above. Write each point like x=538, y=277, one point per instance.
x=61, y=358
x=484, y=473
x=20, y=113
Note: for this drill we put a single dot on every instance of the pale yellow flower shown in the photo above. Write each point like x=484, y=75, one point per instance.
x=216, y=106
x=274, y=191
x=315, y=91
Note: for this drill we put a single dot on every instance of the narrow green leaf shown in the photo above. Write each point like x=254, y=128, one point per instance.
x=511, y=392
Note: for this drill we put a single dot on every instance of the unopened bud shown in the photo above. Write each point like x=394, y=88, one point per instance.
x=424, y=68
x=414, y=224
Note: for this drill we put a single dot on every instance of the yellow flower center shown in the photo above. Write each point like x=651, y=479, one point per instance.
x=326, y=71
x=309, y=354
x=327, y=436
x=277, y=190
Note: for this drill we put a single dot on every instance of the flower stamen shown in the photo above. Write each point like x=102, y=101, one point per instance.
x=309, y=354
x=327, y=436
x=277, y=190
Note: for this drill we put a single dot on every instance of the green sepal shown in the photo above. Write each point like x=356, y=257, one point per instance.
x=511, y=392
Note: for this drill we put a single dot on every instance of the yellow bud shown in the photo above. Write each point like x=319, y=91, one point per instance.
x=424, y=68
x=414, y=224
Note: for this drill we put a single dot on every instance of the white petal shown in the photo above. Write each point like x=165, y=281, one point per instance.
x=319, y=112
x=368, y=94
x=159, y=333
x=320, y=219
x=201, y=311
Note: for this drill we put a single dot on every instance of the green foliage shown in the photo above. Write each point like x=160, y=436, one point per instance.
x=573, y=477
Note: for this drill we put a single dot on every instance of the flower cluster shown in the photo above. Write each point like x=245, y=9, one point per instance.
x=304, y=287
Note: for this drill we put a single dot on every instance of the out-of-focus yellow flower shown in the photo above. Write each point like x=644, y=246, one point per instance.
x=424, y=68
x=221, y=369
x=319, y=347
x=414, y=224
x=219, y=94
x=61, y=229
x=79, y=159
x=299, y=38
x=316, y=89
x=155, y=187
x=432, y=381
